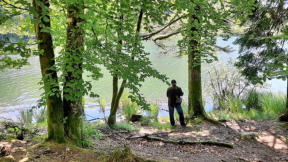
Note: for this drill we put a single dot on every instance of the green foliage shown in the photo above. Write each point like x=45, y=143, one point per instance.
x=252, y=101
x=273, y=104
x=153, y=113
x=204, y=19
x=128, y=107
x=124, y=155
x=272, y=107
x=90, y=132
x=263, y=54
x=6, y=136
x=123, y=126
x=145, y=121
x=116, y=40
x=40, y=116
x=235, y=105
x=161, y=126
x=26, y=117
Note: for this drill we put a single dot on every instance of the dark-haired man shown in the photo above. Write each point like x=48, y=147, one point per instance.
x=174, y=94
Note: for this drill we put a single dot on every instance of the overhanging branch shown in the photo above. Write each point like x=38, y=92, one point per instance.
x=13, y=6
x=167, y=36
x=174, y=20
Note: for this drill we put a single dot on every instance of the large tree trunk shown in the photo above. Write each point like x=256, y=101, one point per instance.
x=284, y=117
x=49, y=74
x=195, y=103
x=73, y=86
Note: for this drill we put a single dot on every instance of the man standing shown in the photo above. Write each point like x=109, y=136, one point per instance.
x=174, y=94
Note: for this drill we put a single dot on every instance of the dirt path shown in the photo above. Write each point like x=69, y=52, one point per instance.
x=271, y=143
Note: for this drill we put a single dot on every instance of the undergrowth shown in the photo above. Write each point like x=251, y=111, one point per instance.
x=255, y=107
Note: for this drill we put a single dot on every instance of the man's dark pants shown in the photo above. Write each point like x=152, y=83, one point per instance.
x=180, y=113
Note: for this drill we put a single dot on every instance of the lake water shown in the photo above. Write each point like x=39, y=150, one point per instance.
x=19, y=89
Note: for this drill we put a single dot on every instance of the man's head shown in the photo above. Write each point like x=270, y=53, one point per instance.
x=173, y=83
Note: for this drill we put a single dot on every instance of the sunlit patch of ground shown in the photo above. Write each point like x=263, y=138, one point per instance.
x=266, y=141
x=269, y=144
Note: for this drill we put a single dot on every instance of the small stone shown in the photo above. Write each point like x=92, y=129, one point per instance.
x=249, y=135
x=175, y=158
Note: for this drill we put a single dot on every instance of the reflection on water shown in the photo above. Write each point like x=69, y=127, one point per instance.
x=19, y=89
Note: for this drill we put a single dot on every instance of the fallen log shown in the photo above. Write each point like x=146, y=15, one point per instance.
x=183, y=142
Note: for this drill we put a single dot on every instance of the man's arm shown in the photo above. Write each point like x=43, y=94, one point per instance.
x=168, y=93
x=180, y=92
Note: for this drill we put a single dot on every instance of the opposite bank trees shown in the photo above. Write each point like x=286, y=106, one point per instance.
x=117, y=43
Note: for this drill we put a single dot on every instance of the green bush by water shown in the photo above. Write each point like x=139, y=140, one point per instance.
x=272, y=106
x=252, y=100
x=128, y=107
x=154, y=112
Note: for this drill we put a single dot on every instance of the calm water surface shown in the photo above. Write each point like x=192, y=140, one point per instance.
x=20, y=89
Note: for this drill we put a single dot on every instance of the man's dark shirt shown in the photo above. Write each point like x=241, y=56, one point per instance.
x=172, y=93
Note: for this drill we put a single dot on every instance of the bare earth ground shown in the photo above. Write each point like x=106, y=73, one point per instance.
x=271, y=144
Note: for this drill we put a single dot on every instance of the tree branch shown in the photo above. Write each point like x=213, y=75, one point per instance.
x=174, y=20
x=13, y=6
x=167, y=36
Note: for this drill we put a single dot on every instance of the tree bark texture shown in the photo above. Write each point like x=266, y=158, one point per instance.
x=73, y=85
x=49, y=74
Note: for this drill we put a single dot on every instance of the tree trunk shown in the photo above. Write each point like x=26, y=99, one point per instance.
x=284, y=117
x=195, y=103
x=115, y=106
x=49, y=74
x=118, y=94
x=113, y=110
x=73, y=85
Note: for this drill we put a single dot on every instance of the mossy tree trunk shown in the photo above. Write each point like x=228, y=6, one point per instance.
x=73, y=85
x=48, y=70
x=195, y=103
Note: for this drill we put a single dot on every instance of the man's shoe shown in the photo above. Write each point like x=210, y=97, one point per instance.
x=173, y=126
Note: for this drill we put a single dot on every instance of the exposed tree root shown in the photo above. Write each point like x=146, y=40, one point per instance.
x=183, y=142
x=206, y=118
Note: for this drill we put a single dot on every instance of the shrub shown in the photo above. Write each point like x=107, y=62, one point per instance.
x=123, y=126
x=252, y=100
x=26, y=117
x=128, y=107
x=90, y=131
x=235, y=104
x=154, y=112
x=274, y=104
x=40, y=116
x=145, y=121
